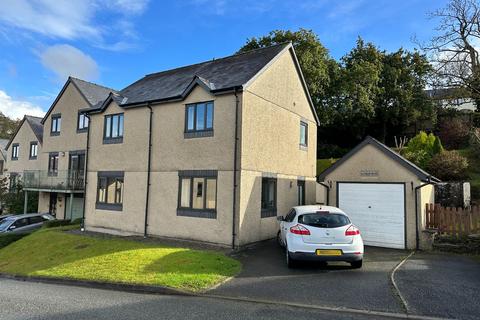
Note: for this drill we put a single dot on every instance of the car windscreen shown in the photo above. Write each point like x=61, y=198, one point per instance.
x=5, y=223
x=323, y=219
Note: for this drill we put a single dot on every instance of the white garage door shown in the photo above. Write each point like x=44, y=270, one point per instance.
x=377, y=209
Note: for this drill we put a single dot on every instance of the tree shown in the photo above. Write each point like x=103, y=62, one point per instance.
x=402, y=100
x=314, y=59
x=454, y=50
x=368, y=91
x=7, y=126
x=378, y=93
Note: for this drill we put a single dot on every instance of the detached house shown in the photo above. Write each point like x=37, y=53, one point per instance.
x=211, y=152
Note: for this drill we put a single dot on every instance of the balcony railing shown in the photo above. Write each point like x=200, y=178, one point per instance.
x=60, y=181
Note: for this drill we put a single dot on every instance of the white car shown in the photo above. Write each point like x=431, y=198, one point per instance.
x=320, y=233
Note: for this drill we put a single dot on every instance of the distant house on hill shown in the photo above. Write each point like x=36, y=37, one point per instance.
x=451, y=98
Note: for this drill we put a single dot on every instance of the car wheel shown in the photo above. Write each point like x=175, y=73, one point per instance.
x=356, y=264
x=291, y=263
x=279, y=239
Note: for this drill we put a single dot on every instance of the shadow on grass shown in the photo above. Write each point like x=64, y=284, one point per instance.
x=53, y=253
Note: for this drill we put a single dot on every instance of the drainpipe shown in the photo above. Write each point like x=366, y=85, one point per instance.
x=147, y=198
x=323, y=184
x=235, y=152
x=85, y=174
x=417, y=234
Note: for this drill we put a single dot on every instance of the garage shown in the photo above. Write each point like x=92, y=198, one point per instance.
x=373, y=207
x=383, y=193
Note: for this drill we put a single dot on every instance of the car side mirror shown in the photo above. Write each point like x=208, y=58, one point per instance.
x=12, y=228
x=280, y=218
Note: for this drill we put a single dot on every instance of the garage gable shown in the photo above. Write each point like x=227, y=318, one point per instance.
x=373, y=159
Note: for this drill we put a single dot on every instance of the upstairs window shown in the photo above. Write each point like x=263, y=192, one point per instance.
x=15, y=151
x=56, y=124
x=53, y=164
x=303, y=134
x=33, y=150
x=82, y=123
x=113, y=129
x=199, y=120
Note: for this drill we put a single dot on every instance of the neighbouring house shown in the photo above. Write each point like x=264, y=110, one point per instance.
x=58, y=174
x=3, y=156
x=383, y=193
x=3, y=165
x=23, y=150
x=451, y=98
x=211, y=152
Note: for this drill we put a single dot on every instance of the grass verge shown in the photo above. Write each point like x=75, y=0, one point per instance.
x=324, y=164
x=57, y=254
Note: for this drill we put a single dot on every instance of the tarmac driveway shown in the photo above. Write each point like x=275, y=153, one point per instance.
x=433, y=284
x=442, y=285
x=265, y=276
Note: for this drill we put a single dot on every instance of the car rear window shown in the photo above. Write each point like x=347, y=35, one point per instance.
x=324, y=220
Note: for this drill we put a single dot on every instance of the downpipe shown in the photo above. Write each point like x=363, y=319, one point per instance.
x=417, y=214
x=149, y=164
x=82, y=226
x=235, y=153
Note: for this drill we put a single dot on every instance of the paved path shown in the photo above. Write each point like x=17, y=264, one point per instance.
x=40, y=301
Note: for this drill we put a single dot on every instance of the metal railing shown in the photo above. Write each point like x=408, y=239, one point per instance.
x=60, y=180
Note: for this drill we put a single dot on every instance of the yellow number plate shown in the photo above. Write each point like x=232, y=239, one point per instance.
x=321, y=252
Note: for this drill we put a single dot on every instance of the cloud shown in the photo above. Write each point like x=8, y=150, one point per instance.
x=65, y=60
x=89, y=20
x=128, y=7
x=52, y=18
x=16, y=109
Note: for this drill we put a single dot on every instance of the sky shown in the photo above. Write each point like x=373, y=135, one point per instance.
x=116, y=42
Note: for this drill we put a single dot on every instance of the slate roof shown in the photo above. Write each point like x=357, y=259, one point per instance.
x=93, y=93
x=419, y=172
x=35, y=123
x=37, y=126
x=217, y=75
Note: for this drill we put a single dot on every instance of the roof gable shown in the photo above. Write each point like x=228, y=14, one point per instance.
x=420, y=173
x=91, y=92
x=34, y=123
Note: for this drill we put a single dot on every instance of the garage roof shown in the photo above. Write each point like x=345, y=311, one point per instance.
x=419, y=172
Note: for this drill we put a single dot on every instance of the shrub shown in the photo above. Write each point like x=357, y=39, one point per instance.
x=421, y=148
x=56, y=223
x=449, y=166
x=77, y=221
x=454, y=133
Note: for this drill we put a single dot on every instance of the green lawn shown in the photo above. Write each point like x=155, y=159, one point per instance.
x=54, y=253
x=473, y=171
x=323, y=164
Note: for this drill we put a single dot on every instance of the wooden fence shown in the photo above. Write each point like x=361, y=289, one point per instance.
x=456, y=222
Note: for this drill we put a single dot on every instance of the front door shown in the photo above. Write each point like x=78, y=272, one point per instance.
x=301, y=192
x=52, y=206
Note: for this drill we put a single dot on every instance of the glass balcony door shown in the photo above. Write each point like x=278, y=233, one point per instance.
x=76, y=169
